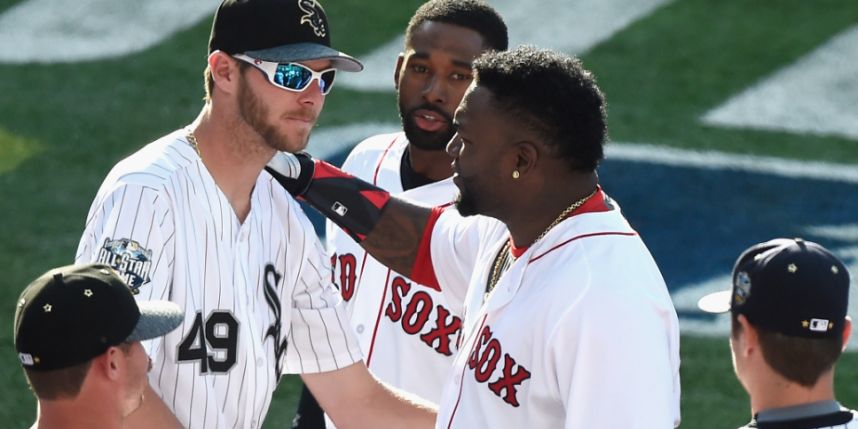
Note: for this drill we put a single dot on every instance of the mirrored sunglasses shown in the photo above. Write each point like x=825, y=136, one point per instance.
x=292, y=76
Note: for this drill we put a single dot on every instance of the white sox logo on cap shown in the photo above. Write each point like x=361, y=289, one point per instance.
x=312, y=16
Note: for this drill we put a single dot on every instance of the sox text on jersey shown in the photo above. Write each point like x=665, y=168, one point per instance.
x=407, y=331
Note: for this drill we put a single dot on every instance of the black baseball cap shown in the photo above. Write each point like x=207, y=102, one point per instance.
x=280, y=31
x=791, y=286
x=72, y=314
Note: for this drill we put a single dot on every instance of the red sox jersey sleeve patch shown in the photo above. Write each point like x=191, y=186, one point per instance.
x=422, y=272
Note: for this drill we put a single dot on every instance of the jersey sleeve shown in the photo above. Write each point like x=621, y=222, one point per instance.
x=622, y=358
x=347, y=256
x=453, y=248
x=361, y=162
x=130, y=228
x=343, y=251
x=347, y=261
x=319, y=337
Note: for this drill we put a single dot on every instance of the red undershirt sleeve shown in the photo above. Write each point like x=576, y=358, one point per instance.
x=423, y=272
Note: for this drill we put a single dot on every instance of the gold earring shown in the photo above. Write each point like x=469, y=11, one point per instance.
x=516, y=174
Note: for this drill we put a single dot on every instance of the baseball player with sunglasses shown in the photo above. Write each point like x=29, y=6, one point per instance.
x=192, y=218
x=566, y=314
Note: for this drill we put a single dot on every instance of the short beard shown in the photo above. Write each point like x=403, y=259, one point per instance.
x=465, y=204
x=420, y=139
x=253, y=112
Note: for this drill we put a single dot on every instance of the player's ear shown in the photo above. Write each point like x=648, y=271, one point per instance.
x=225, y=71
x=847, y=331
x=526, y=155
x=396, y=71
x=748, y=340
x=108, y=364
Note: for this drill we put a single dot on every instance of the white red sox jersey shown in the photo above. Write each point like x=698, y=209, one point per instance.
x=257, y=296
x=579, y=333
x=406, y=331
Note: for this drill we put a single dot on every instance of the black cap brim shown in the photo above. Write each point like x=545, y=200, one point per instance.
x=307, y=52
x=157, y=318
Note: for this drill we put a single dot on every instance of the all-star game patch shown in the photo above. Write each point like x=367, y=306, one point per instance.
x=129, y=259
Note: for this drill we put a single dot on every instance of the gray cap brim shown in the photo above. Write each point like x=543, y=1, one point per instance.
x=156, y=319
x=307, y=52
x=716, y=302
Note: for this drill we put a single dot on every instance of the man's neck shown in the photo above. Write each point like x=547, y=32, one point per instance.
x=431, y=164
x=540, y=208
x=77, y=415
x=233, y=154
x=777, y=392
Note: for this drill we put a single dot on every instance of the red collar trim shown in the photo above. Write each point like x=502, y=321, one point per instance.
x=596, y=203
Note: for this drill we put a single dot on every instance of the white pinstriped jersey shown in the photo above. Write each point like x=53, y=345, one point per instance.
x=581, y=321
x=406, y=331
x=257, y=295
x=830, y=421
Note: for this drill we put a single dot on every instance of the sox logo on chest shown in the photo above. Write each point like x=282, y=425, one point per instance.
x=484, y=360
x=409, y=307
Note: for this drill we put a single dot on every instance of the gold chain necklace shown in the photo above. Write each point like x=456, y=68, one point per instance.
x=192, y=140
x=505, y=258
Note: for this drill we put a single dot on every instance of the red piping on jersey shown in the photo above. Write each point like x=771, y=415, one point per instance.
x=595, y=204
x=595, y=234
x=380, y=161
x=359, y=277
x=362, y=264
x=377, y=319
x=422, y=271
x=465, y=369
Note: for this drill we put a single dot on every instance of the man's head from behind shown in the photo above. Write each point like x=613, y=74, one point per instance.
x=788, y=308
x=71, y=318
x=523, y=102
x=441, y=41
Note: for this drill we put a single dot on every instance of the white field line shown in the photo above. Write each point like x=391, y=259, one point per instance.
x=571, y=27
x=818, y=94
x=713, y=160
x=48, y=31
x=329, y=141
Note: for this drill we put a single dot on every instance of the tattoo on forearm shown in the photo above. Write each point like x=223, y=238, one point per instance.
x=396, y=237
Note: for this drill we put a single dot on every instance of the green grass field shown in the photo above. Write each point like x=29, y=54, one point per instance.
x=62, y=127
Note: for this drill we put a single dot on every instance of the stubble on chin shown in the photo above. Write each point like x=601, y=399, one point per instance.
x=254, y=113
x=436, y=141
x=465, y=204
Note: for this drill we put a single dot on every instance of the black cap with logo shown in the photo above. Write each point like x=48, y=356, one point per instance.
x=72, y=314
x=280, y=31
x=791, y=286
